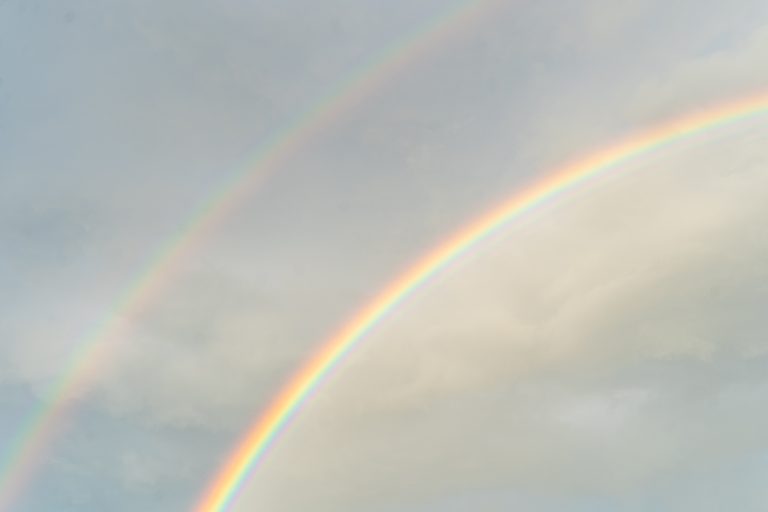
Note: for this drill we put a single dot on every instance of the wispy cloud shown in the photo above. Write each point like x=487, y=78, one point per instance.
x=606, y=352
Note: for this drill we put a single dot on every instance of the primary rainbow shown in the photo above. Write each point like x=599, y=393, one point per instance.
x=252, y=448
x=23, y=453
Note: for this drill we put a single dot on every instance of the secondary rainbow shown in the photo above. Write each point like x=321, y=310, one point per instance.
x=23, y=453
x=225, y=487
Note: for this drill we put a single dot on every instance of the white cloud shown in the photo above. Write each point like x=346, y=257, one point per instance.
x=582, y=354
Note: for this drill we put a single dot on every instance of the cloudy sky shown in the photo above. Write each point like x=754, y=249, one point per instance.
x=607, y=352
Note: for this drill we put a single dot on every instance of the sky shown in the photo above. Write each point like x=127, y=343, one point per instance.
x=605, y=352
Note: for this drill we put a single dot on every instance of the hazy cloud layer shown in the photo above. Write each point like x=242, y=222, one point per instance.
x=606, y=353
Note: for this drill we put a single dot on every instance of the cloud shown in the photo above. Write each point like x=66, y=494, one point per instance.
x=608, y=342
x=602, y=347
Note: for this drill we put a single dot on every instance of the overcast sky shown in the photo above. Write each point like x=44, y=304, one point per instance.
x=607, y=352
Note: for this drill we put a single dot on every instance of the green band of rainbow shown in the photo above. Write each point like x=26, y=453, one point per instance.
x=249, y=451
x=25, y=452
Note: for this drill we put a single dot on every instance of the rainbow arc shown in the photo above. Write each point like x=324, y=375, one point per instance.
x=24, y=453
x=226, y=486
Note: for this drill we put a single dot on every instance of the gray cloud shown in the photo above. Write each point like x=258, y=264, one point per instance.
x=605, y=352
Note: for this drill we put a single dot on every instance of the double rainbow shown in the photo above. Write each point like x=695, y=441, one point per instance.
x=251, y=449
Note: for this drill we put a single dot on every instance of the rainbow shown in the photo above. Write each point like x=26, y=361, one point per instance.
x=23, y=454
x=251, y=449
